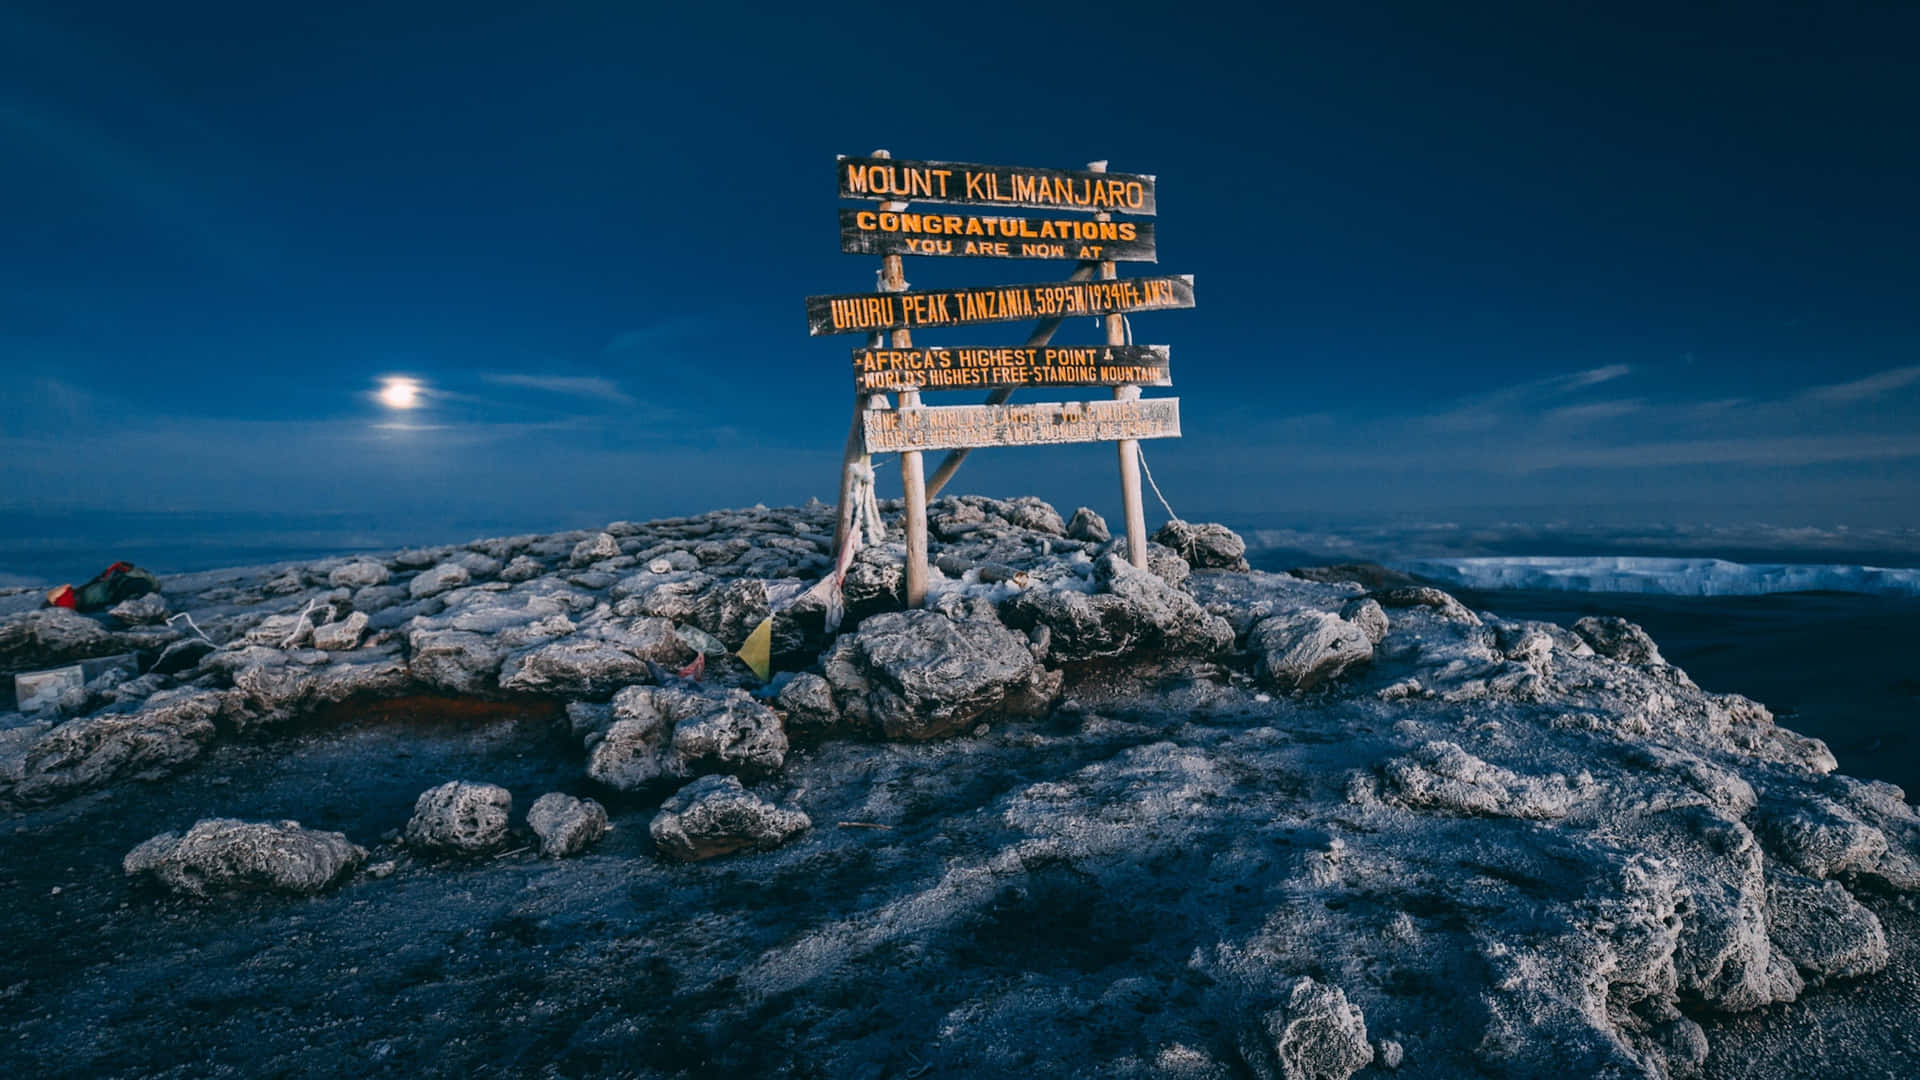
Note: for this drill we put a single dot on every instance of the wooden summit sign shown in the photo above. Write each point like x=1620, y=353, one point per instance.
x=901, y=225
x=994, y=303
x=995, y=185
x=988, y=367
x=894, y=232
x=951, y=427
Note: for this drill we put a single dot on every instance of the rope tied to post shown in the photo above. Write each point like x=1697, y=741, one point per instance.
x=1186, y=536
x=866, y=506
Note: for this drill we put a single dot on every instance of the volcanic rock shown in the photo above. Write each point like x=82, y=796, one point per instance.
x=715, y=815
x=221, y=855
x=565, y=825
x=460, y=817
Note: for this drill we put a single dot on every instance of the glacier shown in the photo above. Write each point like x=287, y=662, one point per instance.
x=1662, y=576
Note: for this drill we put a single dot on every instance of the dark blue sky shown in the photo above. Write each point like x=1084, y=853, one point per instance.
x=1607, y=260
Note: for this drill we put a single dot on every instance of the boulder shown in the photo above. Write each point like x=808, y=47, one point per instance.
x=596, y=666
x=1317, y=1034
x=460, y=817
x=1306, y=649
x=733, y=733
x=874, y=582
x=920, y=674
x=522, y=568
x=1028, y=512
x=732, y=610
x=1367, y=614
x=147, y=609
x=672, y=731
x=50, y=637
x=170, y=729
x=1206, y=546
x=674, y=596
x=715, y=815
x=565, y=825
x=223, y=855
x=359, y=574
x=1088, y=526
x=807, y=699
x=459, y=661
x=341, y=635
x=593, y=549
x=1617, y=639
x=1426, y=596
x=438, y=579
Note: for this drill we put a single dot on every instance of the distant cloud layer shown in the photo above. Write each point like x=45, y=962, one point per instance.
x=587, y=386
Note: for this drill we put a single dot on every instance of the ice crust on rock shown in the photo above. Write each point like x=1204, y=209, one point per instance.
x=1508, y=847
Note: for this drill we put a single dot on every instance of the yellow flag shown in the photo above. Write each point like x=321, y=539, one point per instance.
x=758, y=651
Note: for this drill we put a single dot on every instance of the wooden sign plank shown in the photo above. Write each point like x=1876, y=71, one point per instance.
x=850, y=312
x=952, y=427
x=986, y=367
x=886, y=232
x=994, y=185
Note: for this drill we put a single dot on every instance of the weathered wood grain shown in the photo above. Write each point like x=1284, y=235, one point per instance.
x=850, y=312
x=889, y=232
x=948, y=427
x=986, y=367
x=994, y=185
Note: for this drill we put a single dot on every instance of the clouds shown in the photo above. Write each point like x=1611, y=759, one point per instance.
x=582, y=386
x=1560, y=422
x=1873, y=386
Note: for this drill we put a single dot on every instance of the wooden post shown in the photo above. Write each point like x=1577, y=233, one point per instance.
x=1129, y=448
x=912, y=464
x=913, y=477
x=855, y=452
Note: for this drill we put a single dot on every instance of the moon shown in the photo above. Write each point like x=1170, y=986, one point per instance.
x=400, y=393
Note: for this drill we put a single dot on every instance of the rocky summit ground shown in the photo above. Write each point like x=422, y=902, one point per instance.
x=514, y=808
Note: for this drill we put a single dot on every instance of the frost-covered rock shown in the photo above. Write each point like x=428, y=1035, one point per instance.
x=359, y=574
x=1304, y=650
x=1367, y=614
x=1088, y=526
x=1316, y=1034
x=565, y=825
x=341, y=635
x=147, y=609
x=221, y=855
x=1028, y=512
x=807, y=699
x=460, y=817
x=165, y=732
x=438, y=579
x=593, y=549
x=919, y=674
x=1442, y=776
x=661, y=732
x=730, y=612
x=52, y=636
x=596, y=666
x=715, y=815
x=1822, y=929
x=1425, y=596
x=1206, y=546
x=1617, y=639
